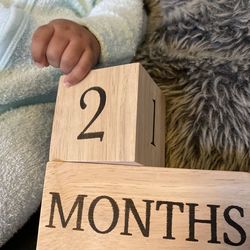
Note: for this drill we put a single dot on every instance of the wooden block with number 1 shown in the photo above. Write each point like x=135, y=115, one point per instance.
x=115, y=115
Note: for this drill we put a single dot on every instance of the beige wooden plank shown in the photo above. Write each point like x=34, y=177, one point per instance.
x=224, y=196
x=132, y=119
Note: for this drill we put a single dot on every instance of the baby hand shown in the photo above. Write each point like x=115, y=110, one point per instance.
x=66, y=45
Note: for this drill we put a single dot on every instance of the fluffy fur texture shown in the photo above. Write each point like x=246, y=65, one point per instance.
x=200, y=56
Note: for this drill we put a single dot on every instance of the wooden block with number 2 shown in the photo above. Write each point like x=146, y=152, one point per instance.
x=115, y=115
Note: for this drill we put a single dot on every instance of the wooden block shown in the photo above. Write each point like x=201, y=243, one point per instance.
x=93, y=206
x=115, y=115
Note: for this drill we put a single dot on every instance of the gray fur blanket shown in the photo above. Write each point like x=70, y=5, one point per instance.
x=200, y=56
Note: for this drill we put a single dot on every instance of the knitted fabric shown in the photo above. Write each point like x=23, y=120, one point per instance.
x=25, y=119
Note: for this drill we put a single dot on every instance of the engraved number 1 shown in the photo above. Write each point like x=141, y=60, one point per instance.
x=153, y=136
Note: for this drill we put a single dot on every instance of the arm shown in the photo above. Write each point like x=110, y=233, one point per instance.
x=110, y=33
x=118, y=26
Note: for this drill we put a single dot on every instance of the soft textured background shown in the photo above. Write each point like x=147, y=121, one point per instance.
x=199, y=55
x=197, y=51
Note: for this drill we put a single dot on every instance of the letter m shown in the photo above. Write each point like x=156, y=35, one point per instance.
x=56, y=200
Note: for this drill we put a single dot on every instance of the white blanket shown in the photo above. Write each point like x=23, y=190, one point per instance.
x=25, y=123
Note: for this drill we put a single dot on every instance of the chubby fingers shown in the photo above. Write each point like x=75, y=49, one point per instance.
x=66, y=45
x=86, y=62
x=48, y=46
x=40, y=41
x=71, y=56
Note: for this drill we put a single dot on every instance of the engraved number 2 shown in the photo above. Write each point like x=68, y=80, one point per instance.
x=92, y=135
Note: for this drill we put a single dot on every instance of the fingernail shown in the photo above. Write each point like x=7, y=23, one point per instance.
x=67, y=84
x=39, y=65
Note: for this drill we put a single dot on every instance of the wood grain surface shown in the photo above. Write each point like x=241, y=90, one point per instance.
x=125, y=111
x=135, y=207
